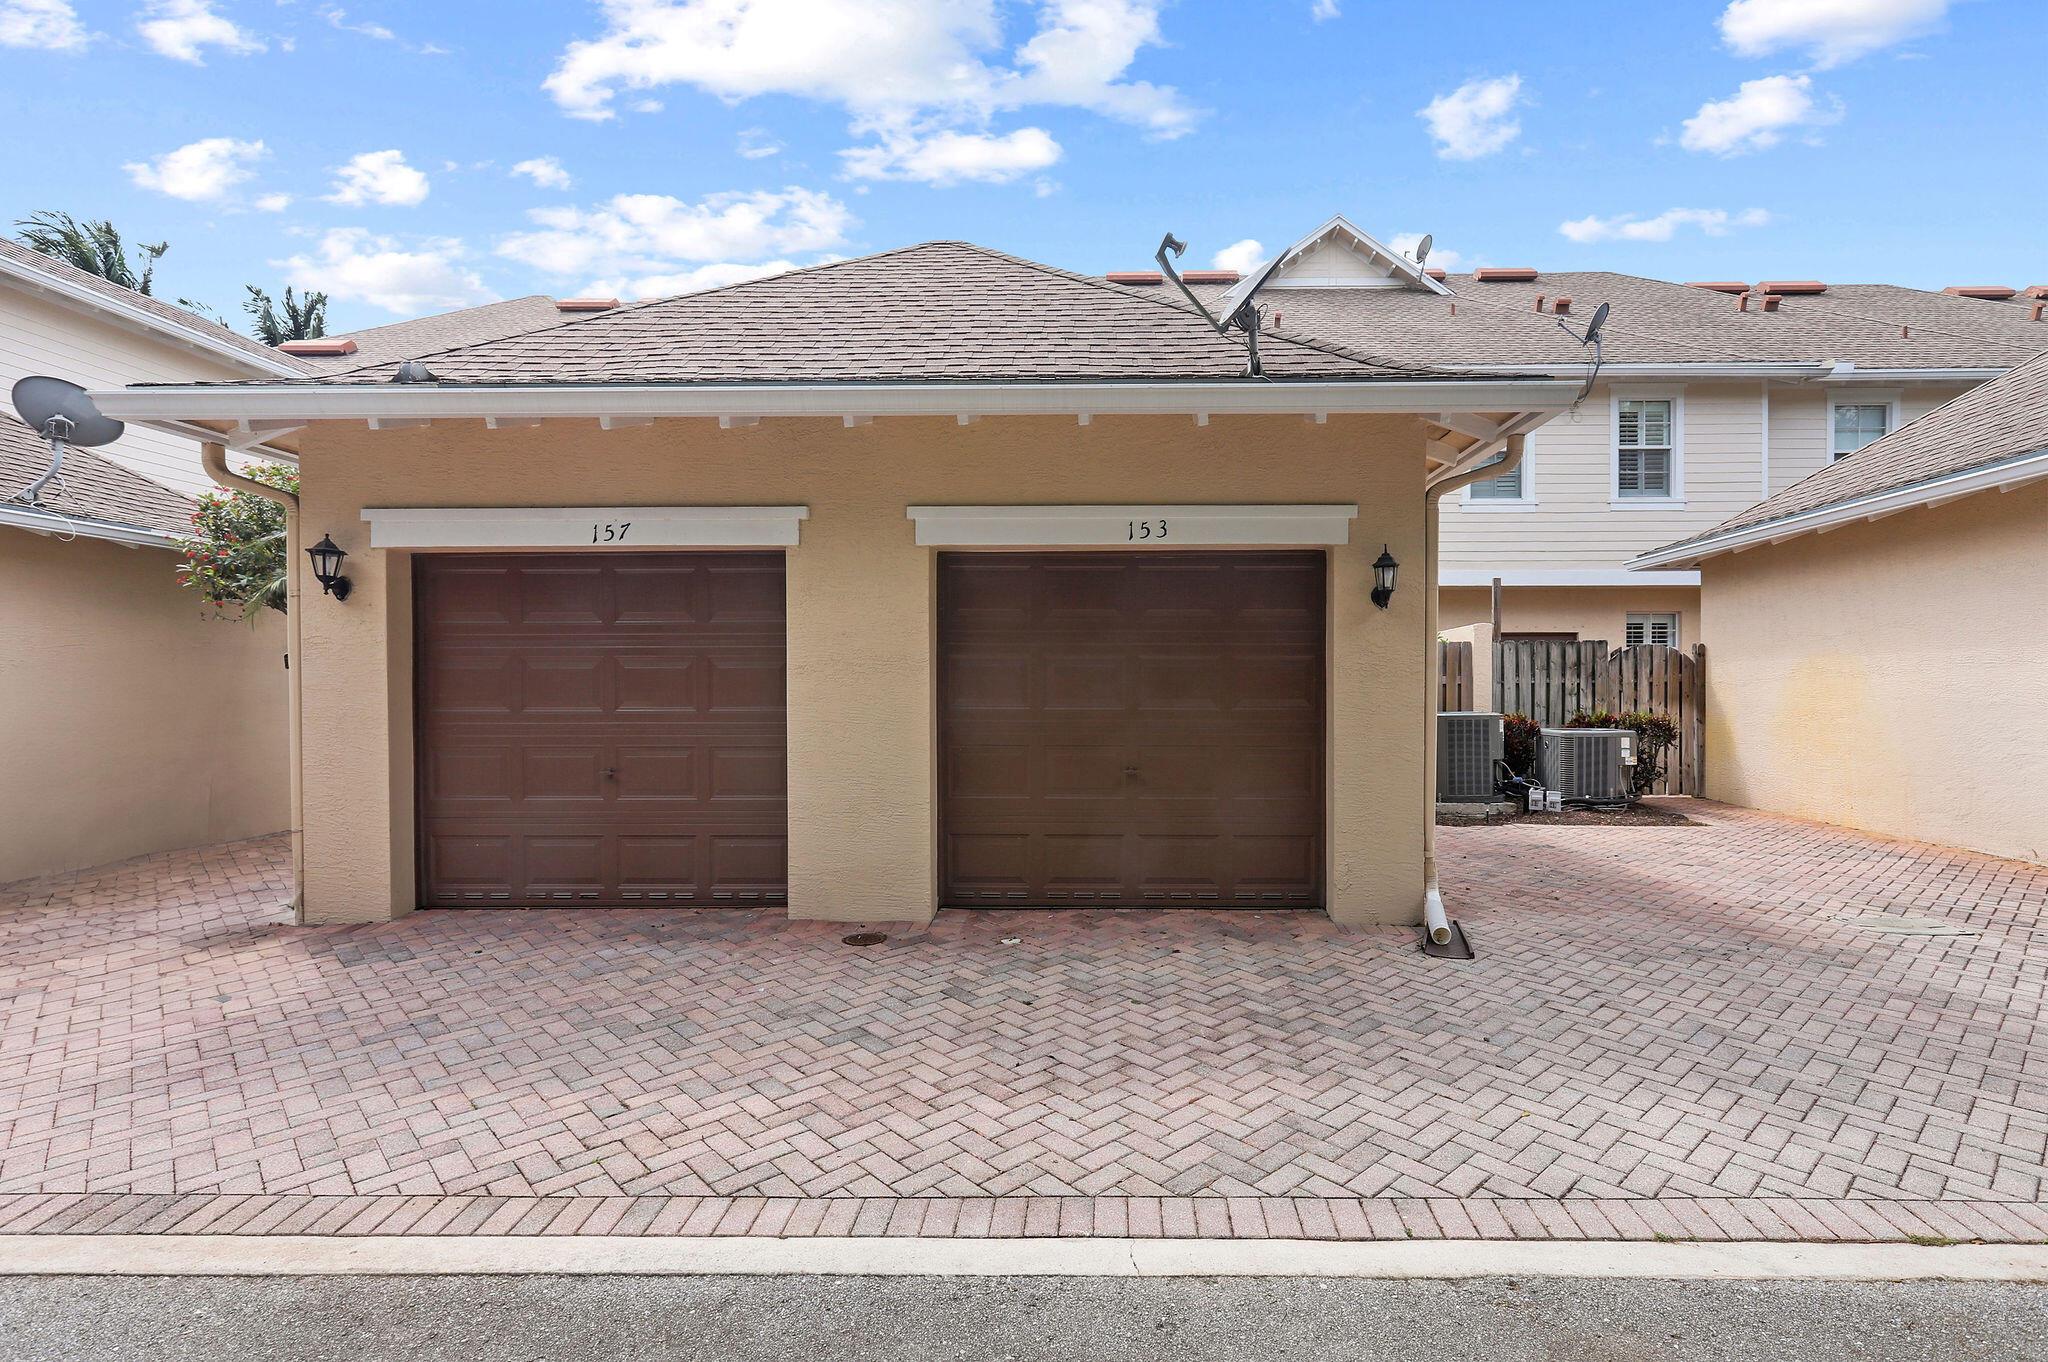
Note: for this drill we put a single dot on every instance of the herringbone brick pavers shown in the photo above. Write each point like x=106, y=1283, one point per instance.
x=1671, y=1030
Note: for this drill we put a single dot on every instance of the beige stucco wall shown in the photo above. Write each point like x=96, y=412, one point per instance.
x=862, y=701
x=1591, y=612
x=130, y=722
x=1889, y=675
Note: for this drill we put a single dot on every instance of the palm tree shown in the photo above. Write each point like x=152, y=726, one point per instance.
x=94, y=247
x=298, y=319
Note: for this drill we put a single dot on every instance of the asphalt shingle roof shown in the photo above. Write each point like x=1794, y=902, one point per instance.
x=944, y=311
x=168, y=313
x=1993, y=423
x=90, y=487
x=442, y=331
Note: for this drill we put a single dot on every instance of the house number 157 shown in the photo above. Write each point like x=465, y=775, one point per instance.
x=1147, y=529
x=613, y=532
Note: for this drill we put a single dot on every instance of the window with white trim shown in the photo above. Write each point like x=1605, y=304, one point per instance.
x=1643, y=448
x=1506, y=487
x=1658, y=628
x=1858, y=424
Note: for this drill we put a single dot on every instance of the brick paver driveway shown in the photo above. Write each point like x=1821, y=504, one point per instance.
x=1694, y=1031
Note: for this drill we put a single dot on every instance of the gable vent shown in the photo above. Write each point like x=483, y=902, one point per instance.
x=324, y=347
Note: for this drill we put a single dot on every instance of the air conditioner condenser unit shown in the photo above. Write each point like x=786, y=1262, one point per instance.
x=1587, y=765
x=1468, y=744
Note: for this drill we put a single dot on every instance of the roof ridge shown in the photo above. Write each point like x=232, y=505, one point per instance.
x=1180, y=306
x=1627, y=330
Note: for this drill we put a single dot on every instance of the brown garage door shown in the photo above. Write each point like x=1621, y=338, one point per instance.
x=1132, y=729
x=601, y=729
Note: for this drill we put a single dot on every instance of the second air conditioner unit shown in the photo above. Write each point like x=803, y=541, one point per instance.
x=1587, y=765
x=1468, y=743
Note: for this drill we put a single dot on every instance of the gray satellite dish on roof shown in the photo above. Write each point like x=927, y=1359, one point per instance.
x=61, y=413
x=1593, y=327
x=1422, y=248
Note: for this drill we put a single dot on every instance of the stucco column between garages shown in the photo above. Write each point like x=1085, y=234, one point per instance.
x=862, y=684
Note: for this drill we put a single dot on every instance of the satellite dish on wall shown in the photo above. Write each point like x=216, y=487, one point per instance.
x=62, y=413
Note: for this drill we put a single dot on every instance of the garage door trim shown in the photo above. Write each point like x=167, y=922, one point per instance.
x=588, y=528
x=1133, y=526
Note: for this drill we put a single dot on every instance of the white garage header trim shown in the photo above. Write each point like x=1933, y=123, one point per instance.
x=584, y=527
x=1134, y=526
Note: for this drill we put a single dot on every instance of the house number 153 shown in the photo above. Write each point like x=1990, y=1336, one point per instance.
x=613, y=532
x=1146, y=529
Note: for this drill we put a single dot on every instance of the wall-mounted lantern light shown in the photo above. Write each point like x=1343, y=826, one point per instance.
x=327, y=556
x=1384, y=570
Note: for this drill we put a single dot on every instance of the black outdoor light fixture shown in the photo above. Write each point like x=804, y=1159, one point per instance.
x=1384, y=570
x=327, y=556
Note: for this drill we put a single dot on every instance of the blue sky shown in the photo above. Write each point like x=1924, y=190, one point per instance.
x=408, y=158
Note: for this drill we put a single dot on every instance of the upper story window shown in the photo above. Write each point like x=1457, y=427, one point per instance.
x=1856, y=424
x=1645, y=449
x=1507, y=487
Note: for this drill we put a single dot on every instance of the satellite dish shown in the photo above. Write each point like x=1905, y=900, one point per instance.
x=1593, y=327
x=1422, y=248
x=60, y=411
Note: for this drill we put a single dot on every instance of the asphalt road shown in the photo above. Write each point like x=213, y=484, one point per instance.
x=625, y=1319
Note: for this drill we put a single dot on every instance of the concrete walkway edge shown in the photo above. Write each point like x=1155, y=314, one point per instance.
x=292, y=1256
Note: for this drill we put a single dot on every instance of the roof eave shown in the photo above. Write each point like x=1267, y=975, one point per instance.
x=58, y=523
x=76, y=296
x=1313, y=397
x=2003, y=475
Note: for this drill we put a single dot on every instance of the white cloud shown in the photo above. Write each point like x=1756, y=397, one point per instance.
x=652, y=244
x=716, y=275
x=1832, y=31
x=425, y=276
x=1440, y=258
x=756, y=143
x=378, y=177
x=183, y=29
x=46, y=25
x=1243, y=256
x=1475, y=119
x=272, y=203
x=924, y=78
x=338, y=17
x=945, y=158
x=1756, y=116
x=1630, y=227
x=1324, y=9
x=199, y=171
x=544, y=171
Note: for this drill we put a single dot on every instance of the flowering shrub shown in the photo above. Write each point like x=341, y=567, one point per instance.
x=1518, y=742
x=234, y=556
x=1655, y=735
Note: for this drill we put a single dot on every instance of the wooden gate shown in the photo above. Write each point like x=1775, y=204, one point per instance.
x=1550, y=682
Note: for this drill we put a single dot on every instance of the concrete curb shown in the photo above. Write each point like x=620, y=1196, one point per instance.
x=298, y=1255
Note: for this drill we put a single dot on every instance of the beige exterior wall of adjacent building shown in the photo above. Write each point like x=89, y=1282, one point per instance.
x=135, y=724
x=1889, y=675
x=862, y=690
x=1591, y=612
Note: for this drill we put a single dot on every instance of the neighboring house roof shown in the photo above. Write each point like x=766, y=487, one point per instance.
x=93, y=496
x=442, y=331
x=48, y=274
x=1995, y=435
x=943, y=311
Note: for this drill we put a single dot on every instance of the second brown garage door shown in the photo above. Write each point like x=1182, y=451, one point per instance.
x=601, y=729
x=1134, y=729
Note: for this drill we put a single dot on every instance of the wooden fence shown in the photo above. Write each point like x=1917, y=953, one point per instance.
x=1550, y=682
x=1454, y=675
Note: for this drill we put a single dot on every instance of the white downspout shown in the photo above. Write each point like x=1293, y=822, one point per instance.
x=1434, y=920
x=214, y=459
